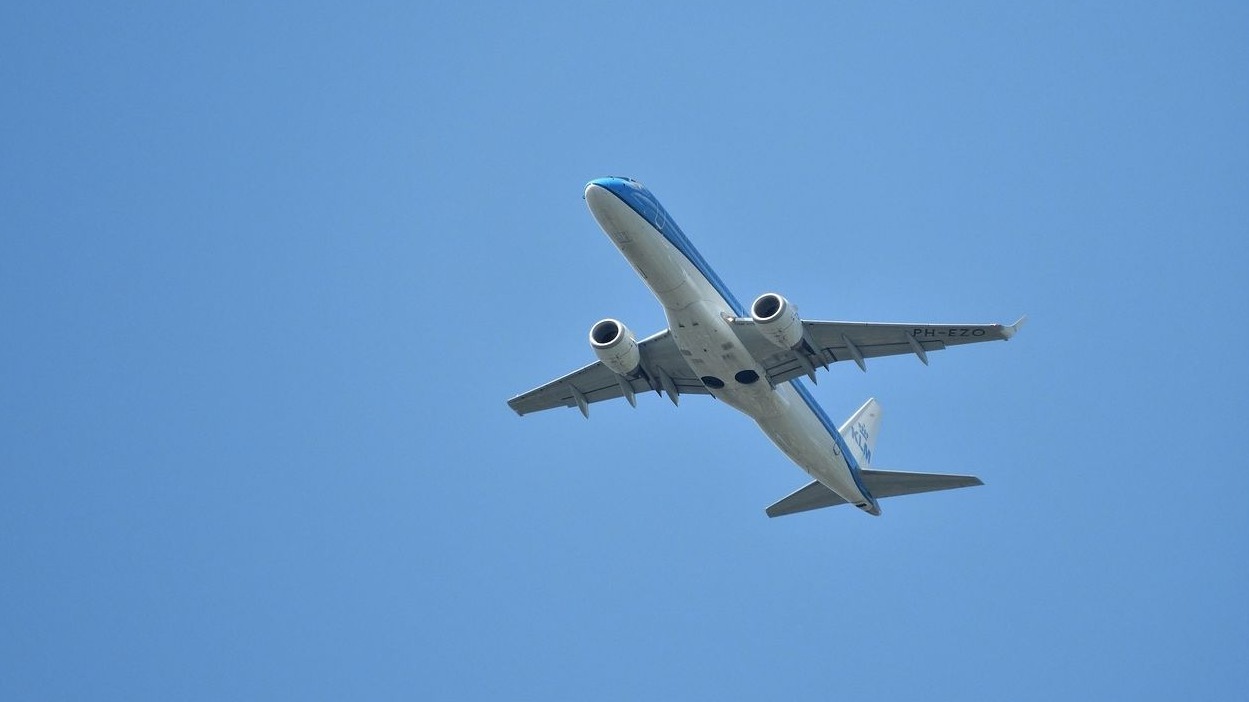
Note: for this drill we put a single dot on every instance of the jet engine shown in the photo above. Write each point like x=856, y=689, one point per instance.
x=777, y=320
x=615, y=346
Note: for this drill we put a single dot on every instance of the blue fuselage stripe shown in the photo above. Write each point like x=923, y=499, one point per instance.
x=853, y=464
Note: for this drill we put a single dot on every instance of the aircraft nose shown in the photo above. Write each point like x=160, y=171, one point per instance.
x=613, y=191
x=615, y=201
x=597, y=196
x=606, y=206
x=614, y=184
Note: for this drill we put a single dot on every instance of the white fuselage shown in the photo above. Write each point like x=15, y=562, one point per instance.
x=698, y=319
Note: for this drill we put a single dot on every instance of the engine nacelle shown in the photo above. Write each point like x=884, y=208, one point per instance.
x=777, y=320
x=615, y=346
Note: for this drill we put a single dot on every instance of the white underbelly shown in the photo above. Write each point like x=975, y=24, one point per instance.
x=804, y=438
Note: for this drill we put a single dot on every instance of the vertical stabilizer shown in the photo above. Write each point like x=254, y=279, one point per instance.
x=860, y=432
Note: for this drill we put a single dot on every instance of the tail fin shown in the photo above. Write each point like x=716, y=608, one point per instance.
x=860, y=432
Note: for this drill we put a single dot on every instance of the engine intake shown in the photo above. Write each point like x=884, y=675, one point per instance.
x=777, y=320
x=615, y=346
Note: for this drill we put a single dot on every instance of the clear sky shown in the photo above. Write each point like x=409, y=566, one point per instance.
x=269, y=273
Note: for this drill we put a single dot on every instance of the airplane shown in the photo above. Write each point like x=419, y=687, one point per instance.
x=749, y=358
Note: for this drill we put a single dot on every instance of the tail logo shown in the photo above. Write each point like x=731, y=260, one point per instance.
x=858, y=432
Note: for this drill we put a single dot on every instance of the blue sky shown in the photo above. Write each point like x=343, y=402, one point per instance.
x=270, y=273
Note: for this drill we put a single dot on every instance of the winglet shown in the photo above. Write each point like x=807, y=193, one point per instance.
x=1008, y=332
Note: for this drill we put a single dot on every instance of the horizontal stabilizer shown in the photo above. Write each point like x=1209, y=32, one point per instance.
x=881, y=483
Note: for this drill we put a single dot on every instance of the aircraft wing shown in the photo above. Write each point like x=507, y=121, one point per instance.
x=829, y=342
x=661, y=363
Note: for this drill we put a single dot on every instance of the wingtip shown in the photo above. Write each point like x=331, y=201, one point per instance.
x=1010, y=331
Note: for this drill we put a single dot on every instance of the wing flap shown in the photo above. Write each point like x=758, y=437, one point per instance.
x=881, y=483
